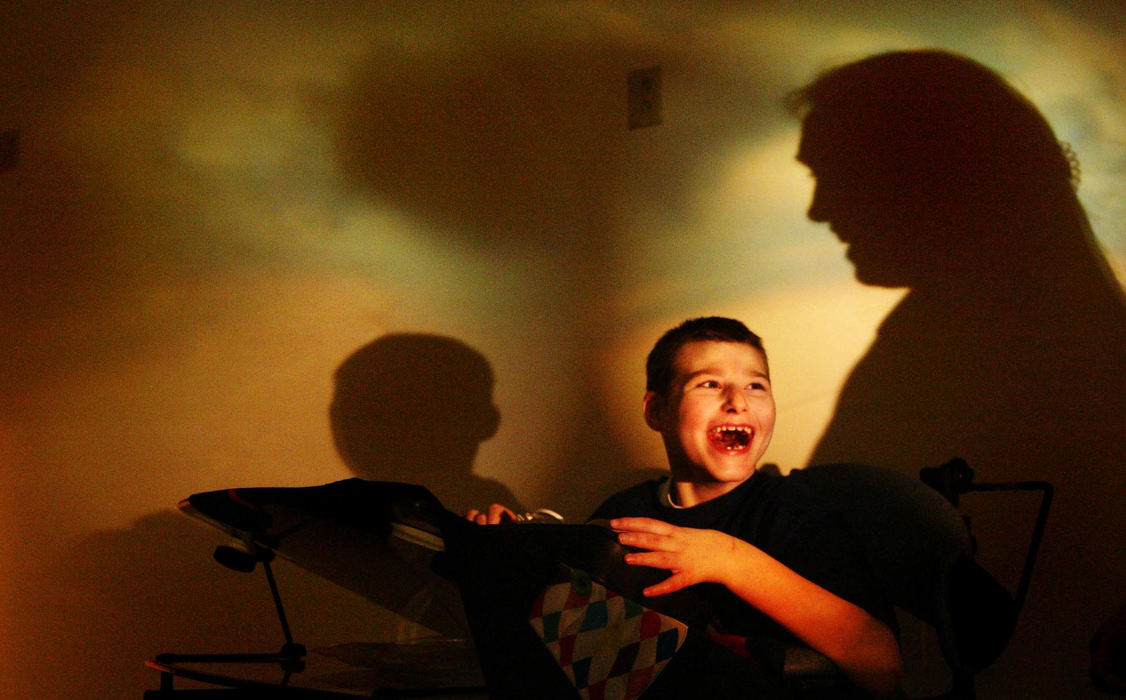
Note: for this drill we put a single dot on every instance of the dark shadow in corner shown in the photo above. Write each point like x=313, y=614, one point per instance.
x=119, y=597
x=415, y=408
x=1009, y=349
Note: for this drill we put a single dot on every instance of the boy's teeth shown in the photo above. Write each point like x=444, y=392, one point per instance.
x=732, y=436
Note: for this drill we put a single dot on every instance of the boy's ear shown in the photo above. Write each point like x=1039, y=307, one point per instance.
x=654, y=405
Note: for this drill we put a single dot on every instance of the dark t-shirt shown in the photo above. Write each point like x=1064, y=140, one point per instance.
x=779, y=516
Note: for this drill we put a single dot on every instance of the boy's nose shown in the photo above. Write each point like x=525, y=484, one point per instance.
x=735, y=400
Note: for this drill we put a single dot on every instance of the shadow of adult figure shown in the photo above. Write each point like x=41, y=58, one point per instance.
x=1009, y=348
x=415, y=407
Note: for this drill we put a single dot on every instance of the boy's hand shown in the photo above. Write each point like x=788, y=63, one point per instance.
x=692, y=555
x=493, y=515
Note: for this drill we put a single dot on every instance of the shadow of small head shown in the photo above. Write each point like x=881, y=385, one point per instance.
x=927, y=161
x=408, y=405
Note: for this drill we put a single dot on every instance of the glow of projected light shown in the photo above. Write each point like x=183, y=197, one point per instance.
x=208, y=262
x=247, y=174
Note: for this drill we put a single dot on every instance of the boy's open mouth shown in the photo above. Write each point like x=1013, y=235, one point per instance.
x=731, y=438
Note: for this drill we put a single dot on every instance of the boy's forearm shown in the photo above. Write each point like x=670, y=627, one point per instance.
x=860, y=645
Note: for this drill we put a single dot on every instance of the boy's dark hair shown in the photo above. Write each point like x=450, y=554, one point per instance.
x=659, y=365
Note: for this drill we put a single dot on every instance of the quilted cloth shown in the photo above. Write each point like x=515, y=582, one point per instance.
x=609, y=646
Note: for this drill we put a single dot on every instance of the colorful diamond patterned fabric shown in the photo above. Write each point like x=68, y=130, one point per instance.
x=609, y=646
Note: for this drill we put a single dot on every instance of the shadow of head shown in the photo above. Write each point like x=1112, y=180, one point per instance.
x=407, y=407
x=930, y=164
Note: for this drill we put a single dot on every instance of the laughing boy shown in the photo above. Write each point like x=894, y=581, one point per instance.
x=774, y=566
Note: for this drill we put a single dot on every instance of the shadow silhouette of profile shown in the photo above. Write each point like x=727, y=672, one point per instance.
x=1009, y=348
x=414, y=408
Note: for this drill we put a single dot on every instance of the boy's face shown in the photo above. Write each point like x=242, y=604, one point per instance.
x=718, y=417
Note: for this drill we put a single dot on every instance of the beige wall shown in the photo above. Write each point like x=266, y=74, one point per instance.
x=216, y=203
